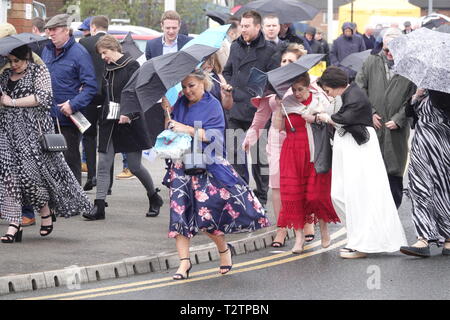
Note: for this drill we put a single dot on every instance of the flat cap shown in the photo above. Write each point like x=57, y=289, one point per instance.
x=407, y=24
x=60, y=20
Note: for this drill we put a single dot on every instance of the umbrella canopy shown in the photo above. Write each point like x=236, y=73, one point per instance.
x=282, y=78
x=356, y=60
x=287, y=11
x=423, y=56
x=9, y=43
x=257, y=82
x=219, y=17
x=130, y=47
x=159, y=74
x=434, y=20
x=444, y=28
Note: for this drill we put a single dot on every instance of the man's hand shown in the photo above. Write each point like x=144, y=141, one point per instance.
x=391, y=125
x=124, y=120
x=376, y=121
x=65, y=108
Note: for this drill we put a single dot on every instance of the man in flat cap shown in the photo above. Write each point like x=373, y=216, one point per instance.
x=408, y=28
x=73, y=82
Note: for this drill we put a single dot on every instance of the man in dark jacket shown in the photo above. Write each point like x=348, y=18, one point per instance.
x=287, y=33
x=249, y=50
x=369, y=39
x=98, y=28
x=310, y=34
x=347, y=43
x=171, y=40
x=324, y=44
x=73, y=83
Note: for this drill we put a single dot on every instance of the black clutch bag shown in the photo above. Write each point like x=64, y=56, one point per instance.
x=52, y=142
x=195, y=162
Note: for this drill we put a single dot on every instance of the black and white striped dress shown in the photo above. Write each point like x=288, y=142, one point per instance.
x=28, y=175
x=429, y=173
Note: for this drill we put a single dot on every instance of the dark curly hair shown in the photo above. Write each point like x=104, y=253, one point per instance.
x=22, y=53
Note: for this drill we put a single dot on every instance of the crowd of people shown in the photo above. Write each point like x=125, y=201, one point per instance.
x=362, y=117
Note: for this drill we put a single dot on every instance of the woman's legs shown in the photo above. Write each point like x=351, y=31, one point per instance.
x=281, y=232
x=182, y=244
x=105, y=162
x=222, y=246
x=134, y=163
x=324, y=234
x=299, y=241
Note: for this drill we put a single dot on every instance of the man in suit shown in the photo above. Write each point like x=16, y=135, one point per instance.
x=171, y=40
x=98, y=28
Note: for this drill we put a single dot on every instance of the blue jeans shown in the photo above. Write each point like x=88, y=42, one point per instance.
x=125, y=161
x=28, y=212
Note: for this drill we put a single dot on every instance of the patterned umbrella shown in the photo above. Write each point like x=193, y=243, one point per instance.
x=423, y=56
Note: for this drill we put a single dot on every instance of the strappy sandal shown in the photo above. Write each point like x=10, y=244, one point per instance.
x=17, y=237
x=309, y=237
x=232, y=252
x=47, y=229
x=180, y=276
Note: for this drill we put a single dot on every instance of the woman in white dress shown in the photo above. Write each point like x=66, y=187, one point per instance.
x=360, y=187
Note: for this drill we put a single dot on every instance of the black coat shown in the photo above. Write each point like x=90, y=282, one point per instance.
x=99, y=64
x=126, y=137
x=261, y=54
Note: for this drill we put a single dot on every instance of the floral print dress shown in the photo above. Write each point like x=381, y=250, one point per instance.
x=218, y=201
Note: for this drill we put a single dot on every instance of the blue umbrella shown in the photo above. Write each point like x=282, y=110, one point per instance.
x=212, y=37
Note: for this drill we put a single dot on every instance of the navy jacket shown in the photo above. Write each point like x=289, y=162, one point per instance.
x=73, y=77
x=154, y=47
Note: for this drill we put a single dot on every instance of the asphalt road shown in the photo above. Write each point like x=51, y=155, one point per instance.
x=279, y=275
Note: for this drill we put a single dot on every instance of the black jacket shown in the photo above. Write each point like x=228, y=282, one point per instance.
x=126, y=137
x=261, y=54
x=99, y=64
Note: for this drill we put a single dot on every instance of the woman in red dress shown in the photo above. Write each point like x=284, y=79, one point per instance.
x=305, y=194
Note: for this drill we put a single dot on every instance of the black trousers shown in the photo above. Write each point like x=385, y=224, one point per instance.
x=238, y=158
x=72, y=155
x=396, y=184
x=90, y=140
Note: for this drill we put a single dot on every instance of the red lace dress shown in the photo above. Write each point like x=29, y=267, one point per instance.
x=305, y=195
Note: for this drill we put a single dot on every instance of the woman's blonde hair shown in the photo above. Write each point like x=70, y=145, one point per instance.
x=108, y=42
x=202, y=76
x=296, y=49
x=215, y=62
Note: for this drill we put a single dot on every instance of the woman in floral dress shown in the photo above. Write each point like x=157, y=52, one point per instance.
x=218, y=201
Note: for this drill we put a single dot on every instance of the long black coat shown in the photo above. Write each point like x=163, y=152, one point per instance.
x=126, y=137
x=261, y=54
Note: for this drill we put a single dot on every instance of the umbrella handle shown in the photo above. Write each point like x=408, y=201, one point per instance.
x=287, y=117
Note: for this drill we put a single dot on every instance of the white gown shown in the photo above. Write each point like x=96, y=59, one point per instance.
x=360, y=192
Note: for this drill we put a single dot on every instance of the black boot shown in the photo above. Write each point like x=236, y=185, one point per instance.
x=97, y=212
x=90, y=184
x=156, y=203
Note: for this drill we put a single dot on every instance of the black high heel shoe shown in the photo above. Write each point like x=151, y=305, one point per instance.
x=232, y=253
x=47, y=229
x=180, y=276
x=17, y=237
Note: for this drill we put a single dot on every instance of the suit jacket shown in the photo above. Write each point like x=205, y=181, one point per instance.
x=99, y=64
x=154, y=47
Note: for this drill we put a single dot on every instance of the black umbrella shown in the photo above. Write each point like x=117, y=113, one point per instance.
x=281, y=78
x=161, y=73
x=219, y=17
x=287, y=11
x=9, y=43
x=356, y=60
x=130, y=47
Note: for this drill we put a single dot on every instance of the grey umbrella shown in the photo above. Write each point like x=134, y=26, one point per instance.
x=281, y=78
x=161, y=73
x=130, y=47
x=423, y=56
x=287, y=11
x=356, y=60
x=9, y=43
x=219, y=17
x=444, y=28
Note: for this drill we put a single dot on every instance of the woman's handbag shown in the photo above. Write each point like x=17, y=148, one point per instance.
x=172, y=145
x=195, y=162
x=52, y=142
x=322, y=147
